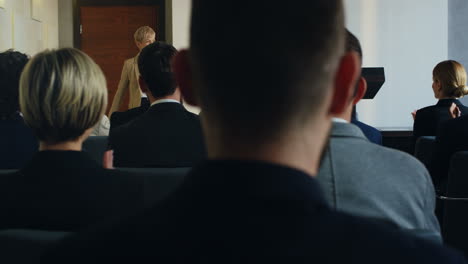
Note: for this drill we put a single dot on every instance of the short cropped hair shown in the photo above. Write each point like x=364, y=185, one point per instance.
x=452, y=77
x=276, y=77
x=62, y=94
x=143, y=33
x=154, y=64
x=11, y=65
x=353, y=44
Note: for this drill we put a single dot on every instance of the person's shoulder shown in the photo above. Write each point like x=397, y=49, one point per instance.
x=426, y=110
x=117, y=116
x=376, y=239
x=393, y=156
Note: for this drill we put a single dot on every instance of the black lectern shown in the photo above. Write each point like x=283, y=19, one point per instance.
x=375, y=78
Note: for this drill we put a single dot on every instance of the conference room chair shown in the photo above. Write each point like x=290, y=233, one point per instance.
x=158, y=182
x=455, y=204
x=22, y=246
x=96, y=147
x=424, y=149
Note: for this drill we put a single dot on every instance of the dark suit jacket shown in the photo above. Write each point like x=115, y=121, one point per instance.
x=120, y=118
x=167, y=135
x=247, y=212
x=66, y=191
x=17, y=143
x=371, y=133
x=429, y=118
x=451, y=138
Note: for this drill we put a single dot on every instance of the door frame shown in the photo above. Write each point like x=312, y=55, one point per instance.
x=77, y=4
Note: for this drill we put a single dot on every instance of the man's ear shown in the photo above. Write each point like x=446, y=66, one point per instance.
x=143, y=86
x=346, y=78
x=183, y=75
x=361, y=90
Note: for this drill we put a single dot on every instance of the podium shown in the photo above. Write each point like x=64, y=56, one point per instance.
x=375, y=78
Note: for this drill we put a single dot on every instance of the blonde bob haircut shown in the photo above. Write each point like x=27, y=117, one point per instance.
x=452, y=78
x=143, y=34
x=62, y=94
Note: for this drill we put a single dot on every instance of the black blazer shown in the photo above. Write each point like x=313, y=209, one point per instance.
x=247, y=212
x=451, y=138
x=167, y=135
x=66, y=191
x=17, y=143
x=120, y=118
x=429, y=118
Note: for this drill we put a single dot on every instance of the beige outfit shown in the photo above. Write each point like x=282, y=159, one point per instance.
x=128, y=81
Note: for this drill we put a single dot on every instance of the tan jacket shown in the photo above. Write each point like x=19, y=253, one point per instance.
x=128, y=81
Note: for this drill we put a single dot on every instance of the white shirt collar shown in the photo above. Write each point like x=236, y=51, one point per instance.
x=160, y=101
x=339, y=120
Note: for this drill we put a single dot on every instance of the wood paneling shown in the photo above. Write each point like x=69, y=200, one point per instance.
x=107, y=36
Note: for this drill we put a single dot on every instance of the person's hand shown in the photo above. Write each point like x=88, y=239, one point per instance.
x=108, y=160
x=414, y=114
x=454, y=111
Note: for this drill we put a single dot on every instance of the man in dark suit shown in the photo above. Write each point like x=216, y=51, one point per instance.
x=371, y=133
x=17, y=142
x=255, y=200
x=166, y=135
x=120, y=118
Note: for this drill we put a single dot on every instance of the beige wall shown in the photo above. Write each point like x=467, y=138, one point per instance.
x=19, y=31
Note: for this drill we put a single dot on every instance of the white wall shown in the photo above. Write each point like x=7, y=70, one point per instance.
x=181, y=23
x=408, y=38
x=181, y=30
x=20, y=32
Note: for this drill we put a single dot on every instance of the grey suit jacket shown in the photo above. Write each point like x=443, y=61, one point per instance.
x=362, y=178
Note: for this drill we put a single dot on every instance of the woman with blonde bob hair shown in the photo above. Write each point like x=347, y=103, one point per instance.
x=62, y=96
x=449, y=84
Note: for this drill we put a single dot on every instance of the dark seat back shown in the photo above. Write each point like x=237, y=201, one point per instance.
x=158, y=182
x=4, y=172
x=26, y=246
x=455, y=222
x=96, y=147
x=424, y=150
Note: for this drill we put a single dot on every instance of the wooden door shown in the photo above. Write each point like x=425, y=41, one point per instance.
x=107, y=37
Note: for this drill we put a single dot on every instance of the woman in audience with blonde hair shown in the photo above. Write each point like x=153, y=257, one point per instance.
x=449, y=84
x=62, y=96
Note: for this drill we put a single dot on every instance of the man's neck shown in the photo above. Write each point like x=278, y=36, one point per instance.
x=174, y=96
x=301, y=149
x=346, y=115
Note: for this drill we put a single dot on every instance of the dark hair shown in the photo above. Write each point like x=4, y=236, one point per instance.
x=273, y=79
x=11, y=65
x=154, y=64
x=353, y=44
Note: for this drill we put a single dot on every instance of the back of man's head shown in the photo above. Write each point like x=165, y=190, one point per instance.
x=263, y=68
x=154, y=64
x=11, y=65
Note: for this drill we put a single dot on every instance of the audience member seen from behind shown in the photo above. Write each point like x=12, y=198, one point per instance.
x=17, y=143
x=266, y=125
x=379, y=182
x=451, y=138
x=167, y=135
x=371, y=133
x=449, y=84
x=129, y=80
x=62, y=96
